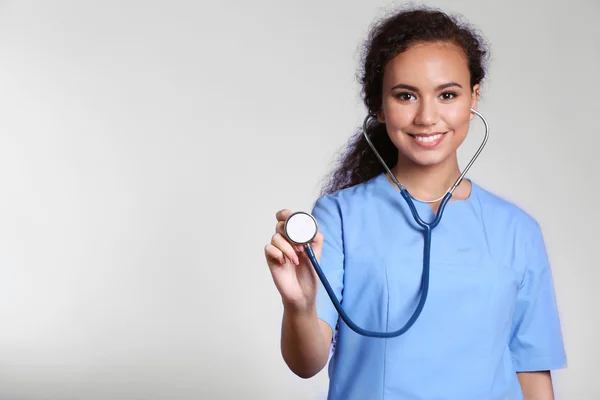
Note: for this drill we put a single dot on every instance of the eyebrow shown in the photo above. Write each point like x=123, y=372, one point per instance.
x=414, y=89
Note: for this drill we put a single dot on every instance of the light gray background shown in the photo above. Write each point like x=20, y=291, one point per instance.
x=145, y=147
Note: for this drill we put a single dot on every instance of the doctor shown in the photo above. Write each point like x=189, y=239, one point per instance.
x=490, y=328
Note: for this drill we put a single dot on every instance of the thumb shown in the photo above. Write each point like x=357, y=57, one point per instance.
x=317, y=245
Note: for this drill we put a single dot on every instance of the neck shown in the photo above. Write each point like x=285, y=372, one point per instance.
x=427, y=183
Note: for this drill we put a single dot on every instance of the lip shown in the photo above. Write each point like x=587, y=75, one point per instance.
x=427, y=134
x=428, y=143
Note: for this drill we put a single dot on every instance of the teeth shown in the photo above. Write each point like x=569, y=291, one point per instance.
x=427, y=139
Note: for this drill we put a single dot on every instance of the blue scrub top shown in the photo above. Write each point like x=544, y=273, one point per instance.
x=490, y=311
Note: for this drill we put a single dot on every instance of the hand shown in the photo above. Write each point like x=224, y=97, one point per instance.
x=292, y=271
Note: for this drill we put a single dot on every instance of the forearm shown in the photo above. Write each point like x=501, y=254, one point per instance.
x=303, y=344
x=536, y=385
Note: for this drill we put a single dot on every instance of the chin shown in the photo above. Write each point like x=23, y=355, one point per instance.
x=427, y=160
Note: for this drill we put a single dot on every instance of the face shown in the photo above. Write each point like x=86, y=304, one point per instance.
x=426, y=102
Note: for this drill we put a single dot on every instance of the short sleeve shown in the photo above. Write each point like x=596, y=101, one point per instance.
x=536, y=343
x=327, y=213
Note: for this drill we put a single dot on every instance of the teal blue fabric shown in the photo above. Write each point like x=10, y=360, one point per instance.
x=491, y=310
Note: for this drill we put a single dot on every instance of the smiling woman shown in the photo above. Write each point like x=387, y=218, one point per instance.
x=490, y=328
x=409, y=59
x=427, y=99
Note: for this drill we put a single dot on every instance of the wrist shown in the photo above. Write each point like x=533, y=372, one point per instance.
x=295, y=309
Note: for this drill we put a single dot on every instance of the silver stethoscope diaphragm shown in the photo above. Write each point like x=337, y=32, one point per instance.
x=300, y=228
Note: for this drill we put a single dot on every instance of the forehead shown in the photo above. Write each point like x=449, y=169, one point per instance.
x=428, y=64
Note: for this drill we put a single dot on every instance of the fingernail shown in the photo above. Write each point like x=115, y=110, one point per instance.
x=296, y=261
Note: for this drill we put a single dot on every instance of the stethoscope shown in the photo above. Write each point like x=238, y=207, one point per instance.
x=301, y=227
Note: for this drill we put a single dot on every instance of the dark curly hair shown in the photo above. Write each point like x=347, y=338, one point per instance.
x=389, y=37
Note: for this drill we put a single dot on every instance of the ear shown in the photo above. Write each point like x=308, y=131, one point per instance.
x=381, y=116
x=474, y=99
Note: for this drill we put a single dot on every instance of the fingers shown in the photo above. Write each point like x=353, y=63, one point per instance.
x=281, y=248
x=318, y=239
x=279, y=228
x=285, y=247
x=273, y=254
x=317, y=245
x=282, y=215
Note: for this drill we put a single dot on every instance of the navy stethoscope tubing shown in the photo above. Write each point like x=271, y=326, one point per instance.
x=301, y=228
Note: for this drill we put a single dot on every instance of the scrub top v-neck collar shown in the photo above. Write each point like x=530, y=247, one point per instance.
x=424, y=209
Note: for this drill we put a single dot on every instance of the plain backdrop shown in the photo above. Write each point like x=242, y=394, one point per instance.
x=145, y=147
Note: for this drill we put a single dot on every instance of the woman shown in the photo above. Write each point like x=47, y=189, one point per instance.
x=490, y=327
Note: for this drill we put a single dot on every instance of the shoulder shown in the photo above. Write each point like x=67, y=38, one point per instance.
x=506, y=213
x=357, y=195
x=351, y=205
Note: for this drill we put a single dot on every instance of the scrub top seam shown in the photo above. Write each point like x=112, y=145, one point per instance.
x=387, y=322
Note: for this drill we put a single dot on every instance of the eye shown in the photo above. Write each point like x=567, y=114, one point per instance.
x=448, y=95
x=404, y=96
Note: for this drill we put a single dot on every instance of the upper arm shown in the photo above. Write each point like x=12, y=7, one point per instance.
x=536, y=385
x=536, y=342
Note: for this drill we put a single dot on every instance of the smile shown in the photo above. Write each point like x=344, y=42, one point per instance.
x=429, y=140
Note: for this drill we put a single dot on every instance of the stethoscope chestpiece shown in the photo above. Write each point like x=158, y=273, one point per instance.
x=300, y=228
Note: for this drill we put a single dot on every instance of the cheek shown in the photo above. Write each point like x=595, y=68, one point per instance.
x=458, y=119
x=399, y=120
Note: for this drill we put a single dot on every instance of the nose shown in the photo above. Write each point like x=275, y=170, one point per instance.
x=427, y=113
